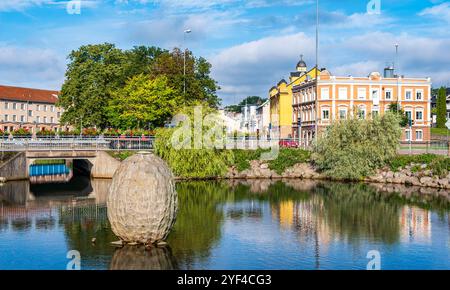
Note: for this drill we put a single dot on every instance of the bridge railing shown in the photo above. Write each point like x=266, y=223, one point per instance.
x=88, y=144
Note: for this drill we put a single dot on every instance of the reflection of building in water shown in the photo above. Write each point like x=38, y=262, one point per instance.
x=415, y=224
x=286, y=214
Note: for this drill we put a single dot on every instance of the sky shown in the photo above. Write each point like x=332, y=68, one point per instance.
x=251, y=44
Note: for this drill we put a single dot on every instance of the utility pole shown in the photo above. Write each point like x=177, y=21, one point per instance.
x=187, y=31
x=317, y=75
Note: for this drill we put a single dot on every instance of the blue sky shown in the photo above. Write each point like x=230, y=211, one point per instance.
x=251, y=44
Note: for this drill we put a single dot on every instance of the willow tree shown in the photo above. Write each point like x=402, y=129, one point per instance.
x=352, y=149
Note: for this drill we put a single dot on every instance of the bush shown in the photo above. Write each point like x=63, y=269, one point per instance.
x=90, y=132
x=111, y=133
x=21, y=132
x=69, y=133
x=45, y=133
x=352, y=149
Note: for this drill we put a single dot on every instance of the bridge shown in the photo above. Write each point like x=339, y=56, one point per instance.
x=89, y=154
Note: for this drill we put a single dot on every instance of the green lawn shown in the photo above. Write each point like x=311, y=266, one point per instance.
x=440, y=131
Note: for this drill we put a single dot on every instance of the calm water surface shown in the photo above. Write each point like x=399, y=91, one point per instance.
x=241, y=225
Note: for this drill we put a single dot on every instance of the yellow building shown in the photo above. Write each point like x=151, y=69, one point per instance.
x=281, y=100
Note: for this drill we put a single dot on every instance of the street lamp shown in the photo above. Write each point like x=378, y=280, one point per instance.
x=187, y=31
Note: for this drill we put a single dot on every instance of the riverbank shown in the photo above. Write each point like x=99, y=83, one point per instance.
x=420, y=170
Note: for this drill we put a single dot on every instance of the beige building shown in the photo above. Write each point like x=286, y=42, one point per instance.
x=340, y=97
x=31, y=109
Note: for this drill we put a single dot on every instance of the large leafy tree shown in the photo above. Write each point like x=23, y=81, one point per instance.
x=143, y=102
x=93, y=74
x=140, y=59
x=441, y=108
x=199, y=84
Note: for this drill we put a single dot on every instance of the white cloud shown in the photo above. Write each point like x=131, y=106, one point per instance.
x=441, y=11
x=252, y=68
x=41, y=68
x=20, y=5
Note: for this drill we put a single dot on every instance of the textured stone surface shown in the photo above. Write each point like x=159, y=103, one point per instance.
x=142, y=201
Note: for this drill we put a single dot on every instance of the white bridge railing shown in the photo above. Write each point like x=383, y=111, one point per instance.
x=77, y=144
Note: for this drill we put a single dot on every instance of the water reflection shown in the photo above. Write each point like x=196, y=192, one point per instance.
x=290, y=224
x=139, y=258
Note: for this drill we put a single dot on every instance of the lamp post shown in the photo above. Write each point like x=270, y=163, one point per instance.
x=187, y=31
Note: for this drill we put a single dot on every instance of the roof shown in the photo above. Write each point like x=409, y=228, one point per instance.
x=28, y=95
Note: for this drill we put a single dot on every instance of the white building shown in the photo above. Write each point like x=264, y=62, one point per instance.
x=263, y=118
x=249, y=122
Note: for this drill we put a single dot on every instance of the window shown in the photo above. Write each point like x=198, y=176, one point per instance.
x=37, y=107
x=343, y=93
x=14, y=118
x=408, y=114
x=375, y=113
x=325, y=93
x=51, y=120
x=38, y=119
x=45, y=108
x=362, y=113
x=14, y=106
x=362, y=93
x=6, y=118
x=407, y=135
x=30, y=113
x=52, y=108
x=6, y=105
x=45, y=120
x=22, y=107
x=419, y=95
x=58, y=114
x=419, y=115
x=326, y=114
x=419, y=135
x=342, y=113
x=388, y=95
x=408, y=95
x=22, y=118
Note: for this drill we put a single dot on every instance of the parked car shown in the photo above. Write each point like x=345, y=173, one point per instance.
x=288, y=143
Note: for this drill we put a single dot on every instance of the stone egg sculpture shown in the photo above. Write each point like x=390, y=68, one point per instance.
x=142, y=201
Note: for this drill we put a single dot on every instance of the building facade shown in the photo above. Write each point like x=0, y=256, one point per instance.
x=364, y=97
x=263, y=118
x=281, y=96
x=31, y=109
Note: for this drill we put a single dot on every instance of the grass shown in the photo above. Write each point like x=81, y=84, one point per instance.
x=122, y=155
x=286, y=158
x=49, y=161
x=440, y=131
x=440, y=165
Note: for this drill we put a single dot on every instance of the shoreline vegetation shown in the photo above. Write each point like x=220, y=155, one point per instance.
x=425, y=170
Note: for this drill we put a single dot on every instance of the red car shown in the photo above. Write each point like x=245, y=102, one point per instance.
x=288, y=143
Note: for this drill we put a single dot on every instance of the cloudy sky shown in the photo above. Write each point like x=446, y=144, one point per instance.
x=252, y=44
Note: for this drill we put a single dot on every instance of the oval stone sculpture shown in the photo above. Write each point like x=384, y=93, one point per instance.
x=142, y=201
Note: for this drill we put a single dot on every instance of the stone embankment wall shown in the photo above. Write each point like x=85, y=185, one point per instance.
x=14, y=169
x=406, y=176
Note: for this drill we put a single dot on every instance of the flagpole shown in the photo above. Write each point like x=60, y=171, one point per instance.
x=317, y=68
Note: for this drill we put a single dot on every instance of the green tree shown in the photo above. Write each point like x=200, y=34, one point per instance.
x=250, y=100
x=142, y=101
x=396, y=109
x=352, y=149
x=199, y=85
x=93, y=73
x=140, y=59
x=441, y=107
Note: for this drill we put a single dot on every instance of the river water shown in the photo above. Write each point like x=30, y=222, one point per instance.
x=290, y=224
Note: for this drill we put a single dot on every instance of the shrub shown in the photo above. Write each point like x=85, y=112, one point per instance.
x=69, y=133
x=111, y=133
x=45, y=133
x=21, y=132
x=90, y=132
x=400, y=161
x=352, y=149
x=3, y=133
